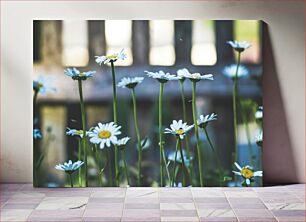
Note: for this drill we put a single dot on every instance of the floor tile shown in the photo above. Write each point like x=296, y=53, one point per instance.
x=175, y=192
x=141, y=213
x=289, y=213
x=210, y=200
x=141, y=206
x=216, y=213
x=22, y=202
x=67, y=193
x=15, y=214
x=207, y=192
x=248, y=206
x=10, y=187
x=140, y=219
x=142, y=192
x=108, y=194
x=101, y=219
x=291, y=219
x=92, y=205
x=24, y=194
x=244, y=200
x=175, y=199
x=256, y=219
x=179, y=219
x=19, y=206
x=253, y=213
x=212, y=206
x=285, y=206
x=241, y=193
x=62, y=203
x=178, y=213
x=106, y=200
x=57, y=213
x=218, y=219
x=25, y=200
x=54, y=219
x=177, y=206
x=141, y=200
x=103, y=213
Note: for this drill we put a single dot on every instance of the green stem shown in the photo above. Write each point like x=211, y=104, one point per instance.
x=99, y=165
x=235, y=91
x=70, y=177
x=84, y=129
x=216, y=157
x=115, y=120
x=160, y=127
x=174, y=167
x=183, y=163
x=35, y=143
x=125, y=167
x=35, y=97
x=196, y=128
x=79, y=156
x=110, y=174
x=185, y=120
x=138, y=137
x=166, y=165
x=248, y=134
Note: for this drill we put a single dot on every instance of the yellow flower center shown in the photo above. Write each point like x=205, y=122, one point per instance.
x=112, y=57
x=79, y=132
x=104, y=134
x=180, y=131
x=195, y=75
x=40, y=85
x=247, y=173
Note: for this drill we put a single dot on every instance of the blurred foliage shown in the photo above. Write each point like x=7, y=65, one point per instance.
x=246, y=30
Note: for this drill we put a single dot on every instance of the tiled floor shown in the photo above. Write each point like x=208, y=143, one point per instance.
x=22, y=202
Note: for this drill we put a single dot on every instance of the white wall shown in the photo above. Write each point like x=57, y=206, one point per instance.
x=286, y=26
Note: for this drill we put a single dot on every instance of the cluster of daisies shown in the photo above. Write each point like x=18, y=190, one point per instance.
x=108, y=134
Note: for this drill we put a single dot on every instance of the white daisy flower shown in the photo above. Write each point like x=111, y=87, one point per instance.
x=178, y=128
x=230, y=71
x=130, y=82
x=259, y=139
x=123, y=141
x=75, y=132
x=239, y=46
x=145, y=144
x=37, y=134
x=171, y=157
x=69, y=167
x=259, y=113
x=161, y=76
x=184, y=73
x=105, y=134
x=111, y=58
x=75, y=74
x=247, y=173
x=203, y=120
x=43, y=85
x=179, y=184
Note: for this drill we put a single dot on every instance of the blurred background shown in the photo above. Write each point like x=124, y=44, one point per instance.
x=167, y=45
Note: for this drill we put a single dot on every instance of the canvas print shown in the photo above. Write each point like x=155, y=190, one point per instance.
x=134, y=103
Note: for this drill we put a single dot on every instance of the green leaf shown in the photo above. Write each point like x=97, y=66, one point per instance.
x=167, y=165
x=40, y=160
x=144, y=142
x=102, y=170
x=227, y=178
x=119, y=173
